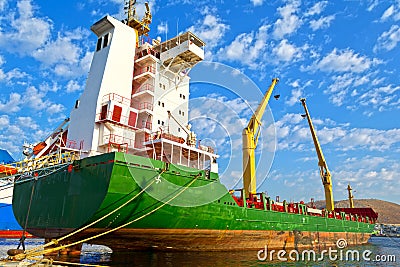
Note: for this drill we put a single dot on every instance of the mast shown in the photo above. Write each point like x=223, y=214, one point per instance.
x=351, y=202
x=141, y=27
x=250, y=137
x=324, y=171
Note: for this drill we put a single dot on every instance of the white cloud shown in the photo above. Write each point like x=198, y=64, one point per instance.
x=317, y=8
x=247, y=48
x=25, y=31
x=4, y=121
x=321, y=23
x=360, y=90
x=210, y=29
x=381, y=98
x=369, y=176
x=341, y=138
x=388, y=40
x=285, y=51
x=61, y=50
x=35, y=99
x=8, y=76
x=372, y=4
x=15, y=130
x=340, y=87
x=343, y=61
x=257, y=2
x=27, y=122
x=388, y=12
x=369, y=139
x=14, y=74
x=73, y=86
x=12, y=105
x=46, y=87
x=3, y=4
x=55, y=108
x=297, y=93
x=289, y=22
x=63, y=55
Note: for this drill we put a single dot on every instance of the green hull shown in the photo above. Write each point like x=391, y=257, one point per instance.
x=177, y=199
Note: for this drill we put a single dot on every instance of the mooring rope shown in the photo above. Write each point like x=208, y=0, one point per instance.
x=37, y=253
x=22, y=240
x=56, y=241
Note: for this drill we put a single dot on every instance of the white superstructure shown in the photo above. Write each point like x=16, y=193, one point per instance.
x=136, y=97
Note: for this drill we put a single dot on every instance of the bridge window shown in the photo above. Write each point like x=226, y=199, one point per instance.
x=103, y=41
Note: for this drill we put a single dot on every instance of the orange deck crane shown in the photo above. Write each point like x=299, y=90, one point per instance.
x=324, y=171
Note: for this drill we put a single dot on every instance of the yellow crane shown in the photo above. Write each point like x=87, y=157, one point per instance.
x=351, y=202
x=324, y=171
x=250, y=137
x=141, y=27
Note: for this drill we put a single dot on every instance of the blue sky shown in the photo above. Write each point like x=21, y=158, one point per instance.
x=340, y=55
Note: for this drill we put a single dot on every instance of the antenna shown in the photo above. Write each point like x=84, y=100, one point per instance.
x=130, y=9
x=166, y=30
x=177, y=29
x=140, y=26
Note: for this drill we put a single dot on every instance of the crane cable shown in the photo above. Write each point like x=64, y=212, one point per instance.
x=37, y=253
x=56, y=241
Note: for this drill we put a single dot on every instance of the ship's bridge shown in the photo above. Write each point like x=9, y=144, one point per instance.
x=183, y=50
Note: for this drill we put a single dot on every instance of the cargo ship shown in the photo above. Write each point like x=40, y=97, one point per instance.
x=9, y=227
x=127, y=169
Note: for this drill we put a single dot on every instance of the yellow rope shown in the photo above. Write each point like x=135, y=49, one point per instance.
x=56, y=241
x=112, y=230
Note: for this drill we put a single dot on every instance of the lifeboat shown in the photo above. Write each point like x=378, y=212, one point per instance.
x=6, y=170
x=39, y=147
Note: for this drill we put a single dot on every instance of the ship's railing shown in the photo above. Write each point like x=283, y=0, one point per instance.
x=115, y=118
x=39, y=163
x=259, y=201
x=118, y=139
x=73, y=144
x=143, y=88
x=117, y=98
x=142, y=105
x=147, y=69
x=145, y=105
x=145, y=125
x=147, y=51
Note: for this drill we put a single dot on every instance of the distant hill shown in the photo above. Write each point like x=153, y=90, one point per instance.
x=388, y=212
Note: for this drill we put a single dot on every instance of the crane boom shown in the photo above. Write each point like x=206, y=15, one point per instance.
x=250, y=137
x=351, y=202
x=191, y=136
x=324, y=171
